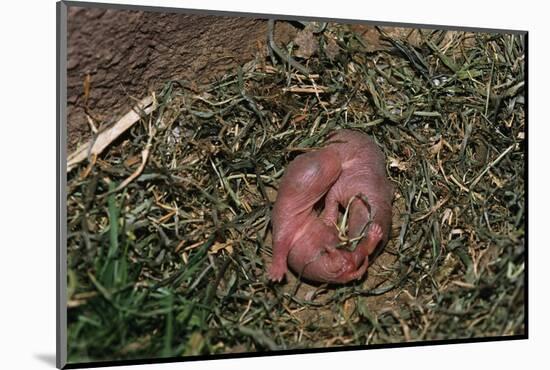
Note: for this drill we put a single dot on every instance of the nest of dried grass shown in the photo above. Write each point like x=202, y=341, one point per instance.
x=169, y=227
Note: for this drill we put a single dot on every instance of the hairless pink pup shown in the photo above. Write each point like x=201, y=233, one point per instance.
x=349, y=167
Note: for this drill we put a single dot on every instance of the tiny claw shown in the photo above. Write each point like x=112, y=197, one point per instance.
x=276, y=273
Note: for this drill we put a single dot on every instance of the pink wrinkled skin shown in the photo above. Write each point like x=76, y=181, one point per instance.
x=303, y=239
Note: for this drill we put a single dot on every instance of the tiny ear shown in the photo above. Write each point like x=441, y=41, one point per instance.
x=332, y=251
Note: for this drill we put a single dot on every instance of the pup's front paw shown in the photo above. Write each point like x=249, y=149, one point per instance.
x=277, y=272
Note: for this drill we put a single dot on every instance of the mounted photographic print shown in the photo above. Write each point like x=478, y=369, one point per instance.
x=238, y=185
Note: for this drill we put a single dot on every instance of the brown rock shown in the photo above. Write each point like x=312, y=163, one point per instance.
x=128, y=53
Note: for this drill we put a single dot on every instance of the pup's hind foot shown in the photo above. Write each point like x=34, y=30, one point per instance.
x=373, y=238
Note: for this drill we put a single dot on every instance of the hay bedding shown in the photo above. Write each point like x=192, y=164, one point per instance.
x=169, y=232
